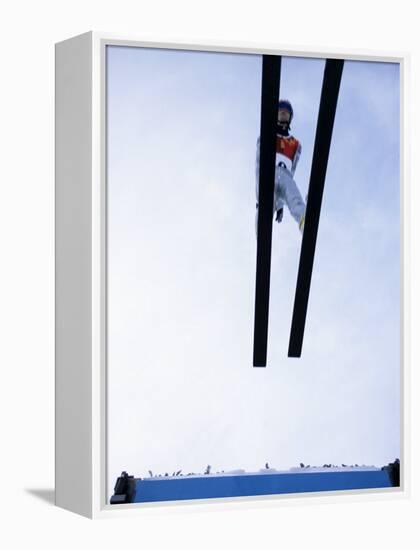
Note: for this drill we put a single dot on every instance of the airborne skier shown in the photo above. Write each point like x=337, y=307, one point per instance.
x=288, y=151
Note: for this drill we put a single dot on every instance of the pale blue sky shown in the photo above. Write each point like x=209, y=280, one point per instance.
x=182, y=129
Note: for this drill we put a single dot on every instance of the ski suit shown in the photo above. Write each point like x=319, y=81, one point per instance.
x=288, y=151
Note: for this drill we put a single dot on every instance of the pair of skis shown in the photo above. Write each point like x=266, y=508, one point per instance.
x=269, y=106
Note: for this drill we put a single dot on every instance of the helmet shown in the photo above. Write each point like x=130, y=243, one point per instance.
x=285, y=104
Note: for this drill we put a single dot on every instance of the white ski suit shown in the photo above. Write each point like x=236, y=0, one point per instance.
x=288, y=151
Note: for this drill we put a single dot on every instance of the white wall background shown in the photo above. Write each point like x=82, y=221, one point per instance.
x=28, y=33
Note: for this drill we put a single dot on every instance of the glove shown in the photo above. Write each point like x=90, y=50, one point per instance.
x=279, y=215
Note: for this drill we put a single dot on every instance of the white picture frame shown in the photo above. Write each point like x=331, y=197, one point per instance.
x=80, y=247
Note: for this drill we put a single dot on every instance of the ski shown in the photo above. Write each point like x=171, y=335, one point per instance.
x=327, y=109
x=270, y=85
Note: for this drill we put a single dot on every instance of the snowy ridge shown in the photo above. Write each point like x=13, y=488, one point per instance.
x=302, y=469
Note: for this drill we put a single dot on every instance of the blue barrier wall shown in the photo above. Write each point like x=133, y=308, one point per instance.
x=213, y=486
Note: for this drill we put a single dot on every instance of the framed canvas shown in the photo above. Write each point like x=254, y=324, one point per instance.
x=229, y=274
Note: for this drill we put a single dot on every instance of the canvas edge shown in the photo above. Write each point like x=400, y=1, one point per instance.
x=73, y=259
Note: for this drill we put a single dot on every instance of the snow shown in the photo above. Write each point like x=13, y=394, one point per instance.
x=272, y=471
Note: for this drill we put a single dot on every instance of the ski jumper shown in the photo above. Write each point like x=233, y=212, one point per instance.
x=288, y=150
